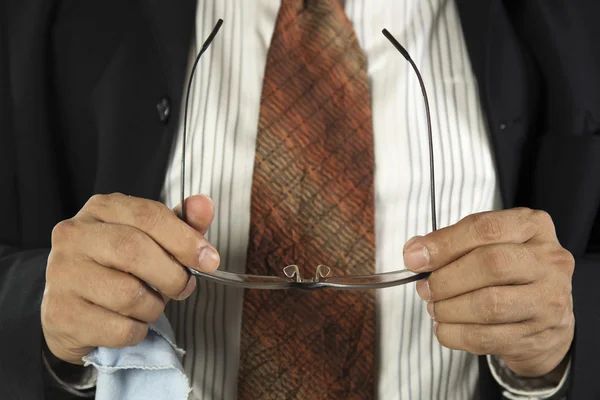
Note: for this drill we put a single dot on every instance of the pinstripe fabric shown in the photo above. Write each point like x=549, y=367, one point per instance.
x=224, y=116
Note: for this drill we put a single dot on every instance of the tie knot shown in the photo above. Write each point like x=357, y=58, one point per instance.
x=317, y=6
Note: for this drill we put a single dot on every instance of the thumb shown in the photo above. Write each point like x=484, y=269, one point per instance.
x=199, y=212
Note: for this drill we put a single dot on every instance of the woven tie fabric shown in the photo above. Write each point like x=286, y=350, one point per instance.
x=312, y=203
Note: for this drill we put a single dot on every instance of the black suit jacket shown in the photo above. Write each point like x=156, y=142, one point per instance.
x=79, y=86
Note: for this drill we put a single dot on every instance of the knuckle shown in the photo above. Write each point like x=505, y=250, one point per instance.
x=479, y=341
x=139, y=333
x=527, y=225
x=486, y=227
x=115, y=197
x=541, y=217
x=99, y=203
x=129, y=332
x=443, y=337
x=55, y=267
x=434, y=283
x=96, y=199
x=129, y=245
x=123, y=332
x=148, y=214
x=489, y=306
x=55, y=316
x=96, y=202
x=495, y=261
x=131, y=293
x=565, y=260
x=567, y=320
x=64, y=232
x=175, y=283
x=156, y=312
x=561, y=301
x=523, y=213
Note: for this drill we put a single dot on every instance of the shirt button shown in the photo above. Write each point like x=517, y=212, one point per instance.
x=164, y=109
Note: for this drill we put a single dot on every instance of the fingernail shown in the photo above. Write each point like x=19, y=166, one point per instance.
x=423, y=289
x=189, y=288
x=212, y=205
x=416, y=256
x=435, y=328
x=209, y=259
x=431, y=310
x=411, y=241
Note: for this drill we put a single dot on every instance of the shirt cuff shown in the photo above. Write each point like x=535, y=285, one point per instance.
x=525, y=388
x=80, y=384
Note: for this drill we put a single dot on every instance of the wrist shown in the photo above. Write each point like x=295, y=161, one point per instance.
x=549, y=386
x=555, y=376
x=551, y=363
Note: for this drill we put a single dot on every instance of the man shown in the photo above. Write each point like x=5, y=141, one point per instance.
x=83, y=85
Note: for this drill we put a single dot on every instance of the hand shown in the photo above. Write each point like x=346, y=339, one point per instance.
x=500, y=284
x=102, y=263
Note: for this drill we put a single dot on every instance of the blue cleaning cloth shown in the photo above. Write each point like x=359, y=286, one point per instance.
x=151, y=370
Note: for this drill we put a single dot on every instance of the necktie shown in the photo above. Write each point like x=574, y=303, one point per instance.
x=312, y=203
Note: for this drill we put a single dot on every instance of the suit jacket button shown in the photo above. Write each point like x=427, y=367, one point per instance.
x=164, y=109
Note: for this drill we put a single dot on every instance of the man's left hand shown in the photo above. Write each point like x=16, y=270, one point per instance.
x=500, y=284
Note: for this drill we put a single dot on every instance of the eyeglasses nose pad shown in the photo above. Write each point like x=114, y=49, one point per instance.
x=322, y=271
x=292, y=271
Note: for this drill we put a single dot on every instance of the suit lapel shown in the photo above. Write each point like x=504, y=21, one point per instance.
x=173, y=23
x=136, y=103
x=475, y=18
x=505, y=86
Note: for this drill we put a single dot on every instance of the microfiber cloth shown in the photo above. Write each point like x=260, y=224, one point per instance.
x=151, y=370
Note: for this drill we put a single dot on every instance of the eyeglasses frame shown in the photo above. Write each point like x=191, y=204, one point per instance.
x=293, y=278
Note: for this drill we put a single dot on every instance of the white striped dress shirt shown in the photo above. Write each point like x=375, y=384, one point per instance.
x=224, y=110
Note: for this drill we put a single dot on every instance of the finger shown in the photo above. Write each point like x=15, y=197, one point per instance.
x=119, y=292
x=483, y=339
x=430, y=252
x=113, y=330
x=491, y=305
x=491, y=265
x=199, y=212
x=179, y=239
x=132, y=251
x=81, y=326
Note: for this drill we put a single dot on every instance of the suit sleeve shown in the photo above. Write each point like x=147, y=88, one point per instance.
x=21, y=272
x=586, y=352
x=562, y=37
x=21, y=287
x=22, y=268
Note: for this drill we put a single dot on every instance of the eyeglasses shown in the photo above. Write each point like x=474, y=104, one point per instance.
x=292, y=277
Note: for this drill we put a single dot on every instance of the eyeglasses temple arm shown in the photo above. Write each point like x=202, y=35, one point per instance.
x=205, y=46
x=406, y=55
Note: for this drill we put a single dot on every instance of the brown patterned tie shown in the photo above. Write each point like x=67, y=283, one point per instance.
x=312, y=203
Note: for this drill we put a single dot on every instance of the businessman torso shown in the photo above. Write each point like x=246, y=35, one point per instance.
x=95, y=93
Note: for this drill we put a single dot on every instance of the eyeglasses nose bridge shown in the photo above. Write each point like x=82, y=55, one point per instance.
x=322, y=271
x=293, y=272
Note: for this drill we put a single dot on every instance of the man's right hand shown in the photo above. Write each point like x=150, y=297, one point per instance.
x=102, y=263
